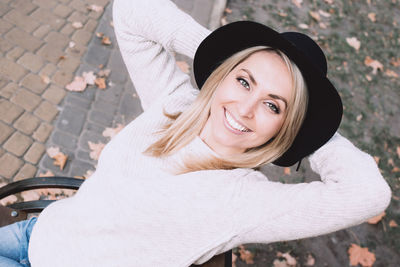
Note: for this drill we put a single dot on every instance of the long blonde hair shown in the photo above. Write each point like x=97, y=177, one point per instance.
x=186, y=125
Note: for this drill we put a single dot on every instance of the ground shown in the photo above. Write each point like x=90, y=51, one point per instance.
x=371, y=111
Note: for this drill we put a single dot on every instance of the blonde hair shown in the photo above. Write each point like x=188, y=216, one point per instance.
x=186, y=125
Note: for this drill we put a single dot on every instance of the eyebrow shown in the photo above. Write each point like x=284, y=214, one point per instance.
x=271, y=95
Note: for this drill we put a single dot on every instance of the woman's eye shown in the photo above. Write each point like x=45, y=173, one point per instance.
x=244, y=83
x=273, y=107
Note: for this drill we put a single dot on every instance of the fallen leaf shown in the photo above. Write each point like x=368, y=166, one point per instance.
x=89, y=77
x=303, y=26
x=391, y=73
x=224, y=21
x=9, y=199
x=112, y=23
x=246, y=255
x=101, y=83
x=322, y=25
x=323, y=13
x=282, y=14
x=228, y=10
x=52, y=151
x=372, y=16
x=395, y=62
x=99, y=34
x=390, y=161
x=289, y=259
x=106, y=40
x=353, y=42
x=286, y=170
x=376, y=158
x=234, y=258
x=96, y=149
x=183, y=66
x=77, y=25
x=46, y=174
x=95, y=8
x=374, y=64
x=30, y=195
x=77, y=85
x=398, y=151
x=60, y=160
x=310, y=260
x=395, y=169
x=104, y=73
x=45, y=79
x=392, y=223
x=377, y=218
x=297, y=3
x=329, y=2
x=369, y=78
x=314, y=15
x=359, y=117
x=280, y=263
x=359, y=255
x=71, y=44
x=88, y=174
x=111, y=132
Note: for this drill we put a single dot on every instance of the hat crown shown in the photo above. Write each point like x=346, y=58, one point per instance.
x=309, y=48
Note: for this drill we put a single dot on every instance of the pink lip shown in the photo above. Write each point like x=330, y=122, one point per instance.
x=230, y=128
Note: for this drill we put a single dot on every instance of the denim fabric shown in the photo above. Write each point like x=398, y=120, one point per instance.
x=14, y=240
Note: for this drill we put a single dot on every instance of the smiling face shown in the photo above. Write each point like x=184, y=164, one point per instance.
x=249, y=105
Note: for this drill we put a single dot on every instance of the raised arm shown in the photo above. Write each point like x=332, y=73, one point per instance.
x=147, y=34
x=351, y=191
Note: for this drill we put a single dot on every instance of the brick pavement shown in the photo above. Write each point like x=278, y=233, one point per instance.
x=35, y=41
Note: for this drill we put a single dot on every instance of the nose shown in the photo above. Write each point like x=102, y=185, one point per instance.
x=247, y=107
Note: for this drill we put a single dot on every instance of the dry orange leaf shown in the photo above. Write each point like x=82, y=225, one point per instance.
x=60, y=160
x=30, y=195
x=101, y=83
x=280, y=263
x=106, y=40
x=95, y=8
x=376, y=158
x=96, y=149
x=323, y=13
x=104, y=73
x=353, y=42
x=391, y=73
x=228, y=10
x=310, y=260
x=315, y=15
x=45, y=79
x=396, y=169
x=392, y=223
x=329, y=2
x=297, y=3
x=246, y=255
x=372, y=16
x=395, y=62
x=359, y=255
x=99, y=34
x=289, y=259
x=374, y=64
x=286, y=170
x=111, y=132
x=183, y=66
x=77, y=25
x=77, y=85
x=377, y=218
x=398, y=151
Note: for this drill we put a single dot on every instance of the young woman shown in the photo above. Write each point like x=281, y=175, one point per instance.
x=178, y=184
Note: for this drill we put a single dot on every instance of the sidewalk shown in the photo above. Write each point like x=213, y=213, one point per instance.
x=38, y=42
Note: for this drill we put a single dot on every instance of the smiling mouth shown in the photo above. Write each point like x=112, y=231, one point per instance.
x=234, y=124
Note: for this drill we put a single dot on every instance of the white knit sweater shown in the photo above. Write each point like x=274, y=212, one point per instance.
x=132, y=212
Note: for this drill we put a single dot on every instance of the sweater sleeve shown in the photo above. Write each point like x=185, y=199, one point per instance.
x=351, y=191
x=147, y=33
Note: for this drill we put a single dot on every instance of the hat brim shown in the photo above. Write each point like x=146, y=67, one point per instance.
x=324, y=111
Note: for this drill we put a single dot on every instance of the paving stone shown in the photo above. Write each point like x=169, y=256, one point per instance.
x=130, y=107
x=103, y=106
x=26, y=123
x=77, y=102
x=46, y=111
x=94, y=127
x=85, y=156
x=31, y=61
x=42, y=31
x=62, y=10
x=50, y=53
x=71, y=120
x=78, y=5
x=57, y=40
x=34, y=153
x=2, y=151
x=34, y=83
x=48, y=70
x=21, y=21
x=97, y=54
x=91, y=25
x=95, y=15
x=62, y=78
x=17, y=144
x=70, y=64
x=5, y=26
x=64, y=140
x=23, y=39
x=9, y=165
x=4, y=8
x=9, y=111
x=15, y=53
x=77, y=51
x=64, y=1
x=27, y=171
x=9, y=90
x=5, y=45
x=111, y=94
x=67, y=29
x=91, y=136
x=54, y=94
x=11, y=70
x=116, y=63
x=101, y=118
x=45, y=17
x=81, y=36
x=26, y=99
x=79, y=168
x=187, y=6
x=42, y=133
x=5, y=132
x=47, y=4
x=46, y=163
x=88, y=94
x=23, y=6
x=201, y=11
x=77, y=16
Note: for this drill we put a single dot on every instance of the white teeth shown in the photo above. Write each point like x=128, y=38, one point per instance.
x=234, y=124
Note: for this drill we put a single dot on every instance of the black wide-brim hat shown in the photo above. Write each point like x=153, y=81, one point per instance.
x=324, y=111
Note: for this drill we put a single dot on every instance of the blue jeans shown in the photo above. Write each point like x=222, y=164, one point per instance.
x=14, y=240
